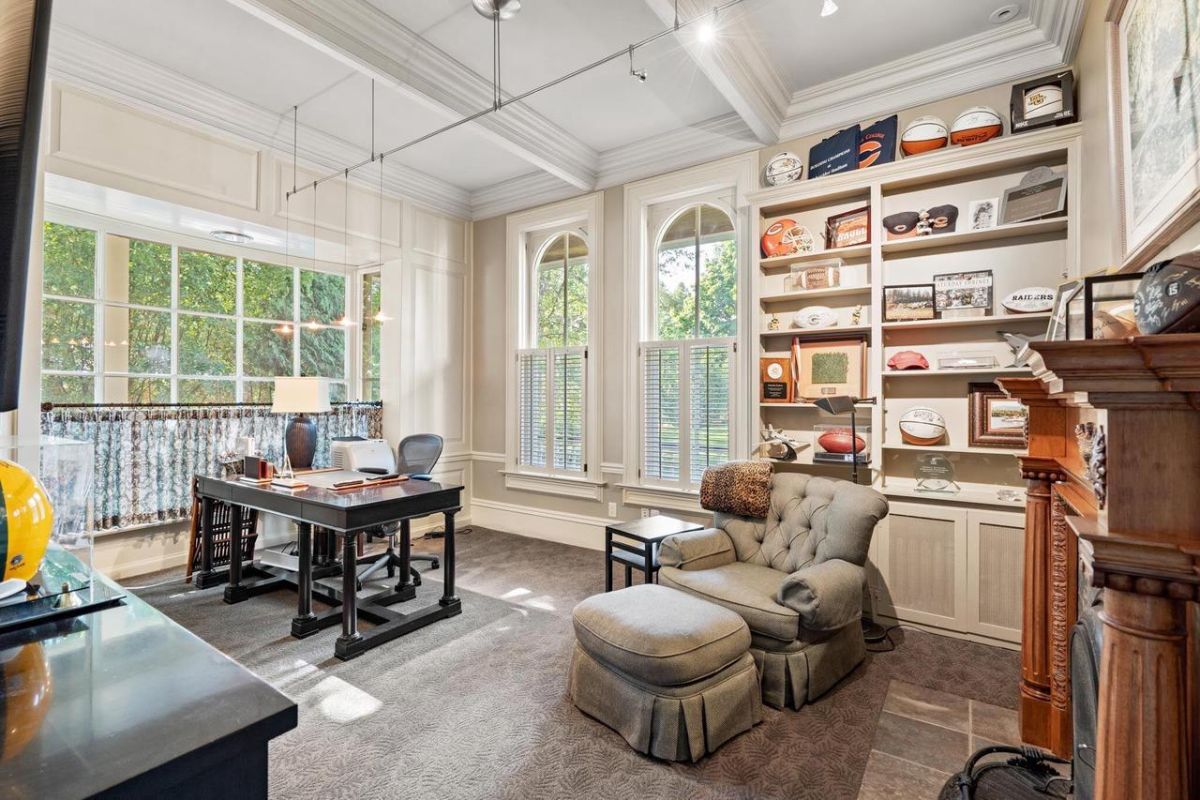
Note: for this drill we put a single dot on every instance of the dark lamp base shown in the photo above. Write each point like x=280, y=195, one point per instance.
x=300, y=441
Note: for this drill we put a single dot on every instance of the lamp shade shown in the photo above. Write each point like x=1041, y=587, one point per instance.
x=301, y=396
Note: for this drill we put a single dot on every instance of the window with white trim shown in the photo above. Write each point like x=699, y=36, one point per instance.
x=688, y=368
x=126, y=320
x=552, y=366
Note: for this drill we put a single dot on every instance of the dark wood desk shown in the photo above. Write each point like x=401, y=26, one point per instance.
x=125, y=703
x=346, y=514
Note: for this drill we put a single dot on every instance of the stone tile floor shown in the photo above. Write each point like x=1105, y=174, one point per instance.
x=924, y=736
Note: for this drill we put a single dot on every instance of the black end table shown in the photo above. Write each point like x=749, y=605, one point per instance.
x=648, y=531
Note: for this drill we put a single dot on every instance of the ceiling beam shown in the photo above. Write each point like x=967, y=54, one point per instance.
x=363, y=37
x=735, y=64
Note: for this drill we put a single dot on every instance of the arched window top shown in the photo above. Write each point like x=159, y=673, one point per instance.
x=561, y=292
x=696, y=275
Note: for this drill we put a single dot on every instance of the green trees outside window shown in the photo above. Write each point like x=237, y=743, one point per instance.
x=697, y=276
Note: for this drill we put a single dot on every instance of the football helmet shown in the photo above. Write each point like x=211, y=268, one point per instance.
x=786, y=238
x=26, y=521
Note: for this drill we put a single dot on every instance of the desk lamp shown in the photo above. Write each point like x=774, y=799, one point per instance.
x=301, y=396
x=844, y=404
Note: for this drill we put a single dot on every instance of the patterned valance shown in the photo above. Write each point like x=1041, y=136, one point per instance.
x=146, y=455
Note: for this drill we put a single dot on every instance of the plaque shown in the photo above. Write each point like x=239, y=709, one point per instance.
x=776, y=380
x=935, y=473
x=1041, y=193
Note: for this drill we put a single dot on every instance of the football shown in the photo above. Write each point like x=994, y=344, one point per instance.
x=841, y=440
x=922, y=135
x=976, y=125
x=922, y=426
x=815, y=317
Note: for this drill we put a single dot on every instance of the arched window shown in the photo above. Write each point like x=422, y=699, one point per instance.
x=561, y=300
x=696, y=289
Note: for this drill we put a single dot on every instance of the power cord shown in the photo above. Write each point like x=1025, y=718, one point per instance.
x=887, y=637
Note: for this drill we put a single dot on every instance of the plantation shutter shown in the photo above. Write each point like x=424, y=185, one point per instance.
x=569, y=384
x=533, y=375
x=661, y=412
x=709, y=378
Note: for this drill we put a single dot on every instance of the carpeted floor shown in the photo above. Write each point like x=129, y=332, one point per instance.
x=475, y=706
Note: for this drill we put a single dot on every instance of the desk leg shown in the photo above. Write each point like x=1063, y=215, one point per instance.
x=404, y=587
x=448, y=598
x=649, y=562
x=235, y=592
x=607, y=560
x=304, y=622
x=349, y=599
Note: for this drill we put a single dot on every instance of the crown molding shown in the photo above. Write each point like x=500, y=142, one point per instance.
x=1062, y=23
x=736, y=65
x=1009, y=52
x=79, y=61
x=368, y=40
x=685, y=147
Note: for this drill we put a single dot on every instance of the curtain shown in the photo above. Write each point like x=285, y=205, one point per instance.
x=145, y=456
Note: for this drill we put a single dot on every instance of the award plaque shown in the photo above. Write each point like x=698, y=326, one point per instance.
x=935, y=473
x=775, y=376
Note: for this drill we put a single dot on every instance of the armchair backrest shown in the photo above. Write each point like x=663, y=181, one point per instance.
x=812, y=520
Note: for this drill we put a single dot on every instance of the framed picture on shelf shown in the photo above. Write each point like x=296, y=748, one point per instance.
x=848, y=228
x=963, y=294
x=1041, y=193
x=833, y=367
x=1056, y=329
x=1152, y=47
x=983, y=214
x=995, y=419
x=908, y=303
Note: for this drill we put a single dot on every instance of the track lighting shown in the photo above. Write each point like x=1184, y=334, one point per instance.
x=707, y=30
x=640, y=74
x=829, y=8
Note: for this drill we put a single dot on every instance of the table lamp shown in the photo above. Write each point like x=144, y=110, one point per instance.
x=301, y=396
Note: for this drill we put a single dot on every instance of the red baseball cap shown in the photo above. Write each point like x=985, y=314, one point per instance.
x=908, y=359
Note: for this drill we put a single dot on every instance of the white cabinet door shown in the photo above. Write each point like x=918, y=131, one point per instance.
x=995, y=559
x=922, y=559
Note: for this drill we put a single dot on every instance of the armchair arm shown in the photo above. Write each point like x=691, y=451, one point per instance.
x=827, y=596
x=697, y=550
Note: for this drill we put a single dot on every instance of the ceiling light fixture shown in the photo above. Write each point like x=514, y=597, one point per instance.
x=504, y=9
x=233, y=237
x=707, y=30
x=829, y=8
x=640, y=74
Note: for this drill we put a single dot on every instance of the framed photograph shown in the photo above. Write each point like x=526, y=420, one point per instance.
x=848, y=228
x=1048, y=100
x=983, y=214
x=963, y=294
x=996, y=420
x=906, y=303
x=1108, y=306
x=1056, y=330
x=1155, y=101
x=1040, y=194
x=833, y=367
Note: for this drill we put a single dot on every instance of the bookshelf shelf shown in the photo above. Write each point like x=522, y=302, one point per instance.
x=1000, y=233
x=962, y=322
x=777, y=262
x=943, y=373
x=817, y=333
x=813, y=294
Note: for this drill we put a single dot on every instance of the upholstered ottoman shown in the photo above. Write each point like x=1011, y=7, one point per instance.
x=670, y=672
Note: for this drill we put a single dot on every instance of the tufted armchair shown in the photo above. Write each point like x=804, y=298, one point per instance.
x=796, y=577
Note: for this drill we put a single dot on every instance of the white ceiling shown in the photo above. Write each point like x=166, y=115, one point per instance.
x=594, y=129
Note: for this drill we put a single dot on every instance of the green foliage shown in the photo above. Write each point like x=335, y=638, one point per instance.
x=207, y=282
x=147, y=390
x=266, y=352
x=149, y=273
x=677, y=295
x=68, y=336
x=562, y=318
x=68, y=389
x=202, y=391
x=322, y=296
x=267, y=291
x=372, y=335
x=149, y=340
x=206, y=346
x=323, y=353
x=68, y=261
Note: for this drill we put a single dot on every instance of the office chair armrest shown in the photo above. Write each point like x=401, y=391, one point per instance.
x=421, y=476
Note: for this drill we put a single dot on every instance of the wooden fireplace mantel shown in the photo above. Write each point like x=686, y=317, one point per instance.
x=1144, y=549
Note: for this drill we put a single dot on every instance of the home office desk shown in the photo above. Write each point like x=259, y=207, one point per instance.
x=346, y=514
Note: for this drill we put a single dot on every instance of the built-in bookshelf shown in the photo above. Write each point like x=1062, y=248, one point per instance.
x=1042, y=252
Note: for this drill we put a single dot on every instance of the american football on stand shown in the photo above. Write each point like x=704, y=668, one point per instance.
x=841, y=440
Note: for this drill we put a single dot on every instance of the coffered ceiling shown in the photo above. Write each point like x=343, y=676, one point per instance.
x=776, y=70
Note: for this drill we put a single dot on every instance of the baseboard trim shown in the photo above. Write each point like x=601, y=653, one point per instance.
x=539, y=523
x=888, y=620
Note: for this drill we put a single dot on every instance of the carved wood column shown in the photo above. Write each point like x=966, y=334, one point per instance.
x=1035, y=643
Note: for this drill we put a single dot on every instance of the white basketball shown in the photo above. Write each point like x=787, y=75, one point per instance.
x=1043, y=101
x=783, y=168
x=922, y=426
x=815, y=317
x=922, y=135
x=976, y=125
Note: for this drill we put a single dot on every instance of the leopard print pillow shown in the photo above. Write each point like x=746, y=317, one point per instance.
x=742, y=488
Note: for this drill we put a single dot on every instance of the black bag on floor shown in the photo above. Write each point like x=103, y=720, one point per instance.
x=1027, y=776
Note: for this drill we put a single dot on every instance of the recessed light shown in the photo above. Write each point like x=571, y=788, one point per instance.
x=1005, y=13
x=233, y=237
x=828, y=8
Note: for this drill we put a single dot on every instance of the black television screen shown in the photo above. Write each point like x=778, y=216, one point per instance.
x=24, y=36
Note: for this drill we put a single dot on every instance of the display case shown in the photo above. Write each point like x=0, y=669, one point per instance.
x=837, y=443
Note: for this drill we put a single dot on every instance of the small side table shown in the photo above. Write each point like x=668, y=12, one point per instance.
x=649, y=531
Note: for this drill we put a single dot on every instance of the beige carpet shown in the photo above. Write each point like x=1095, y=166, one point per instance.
x=475, y=706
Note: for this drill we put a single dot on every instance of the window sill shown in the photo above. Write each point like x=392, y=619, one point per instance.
x=657, y=497
x=561, y=485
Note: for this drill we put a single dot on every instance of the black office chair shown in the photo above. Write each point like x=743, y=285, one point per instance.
x=417, y=456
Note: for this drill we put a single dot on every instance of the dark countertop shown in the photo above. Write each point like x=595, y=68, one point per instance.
x=114, y=694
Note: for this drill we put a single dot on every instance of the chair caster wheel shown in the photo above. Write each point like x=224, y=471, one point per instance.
x=434, y=564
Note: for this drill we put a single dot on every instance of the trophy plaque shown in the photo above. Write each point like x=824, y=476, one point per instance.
x=935, y=473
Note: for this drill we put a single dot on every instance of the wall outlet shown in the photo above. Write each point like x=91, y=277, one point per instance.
x=612, y=510
x=645, y=512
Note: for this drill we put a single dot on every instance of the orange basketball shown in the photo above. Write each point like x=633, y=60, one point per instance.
x=976, y=125
x=922, y=135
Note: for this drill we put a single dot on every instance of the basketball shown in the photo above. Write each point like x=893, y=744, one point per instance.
x=922, y=135
x=922, y=426
x=1043, y=101
x=976, y=125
